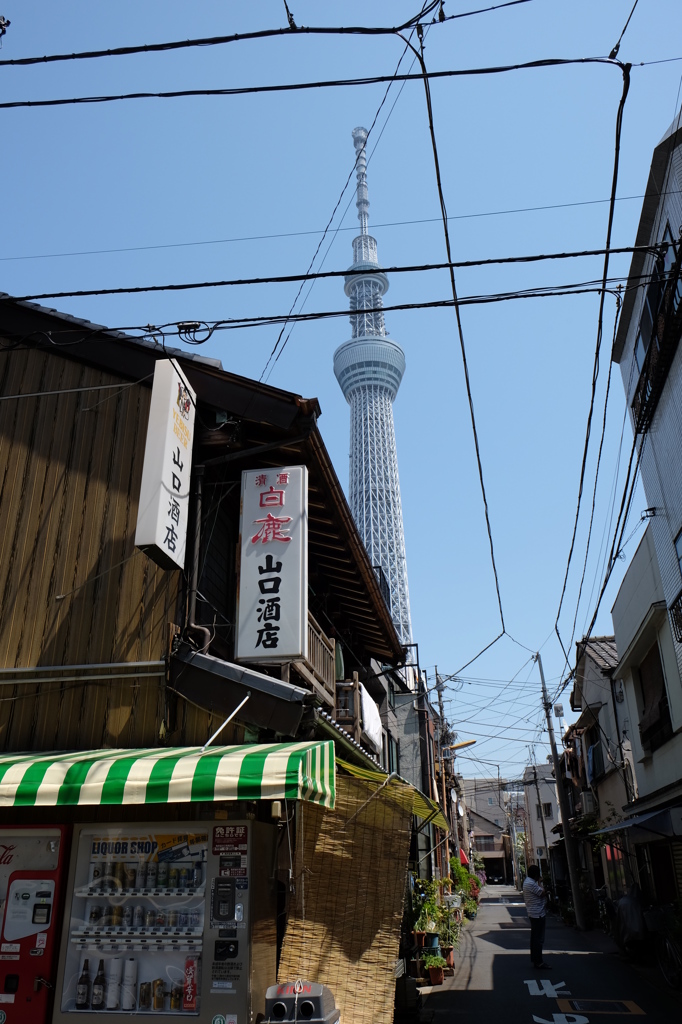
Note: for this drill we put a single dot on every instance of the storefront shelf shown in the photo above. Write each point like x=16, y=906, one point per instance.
x=86, y=891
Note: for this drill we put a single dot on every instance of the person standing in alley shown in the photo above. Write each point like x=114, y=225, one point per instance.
x=535, y=898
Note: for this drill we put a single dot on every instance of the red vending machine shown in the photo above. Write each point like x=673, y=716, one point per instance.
x=32, y=864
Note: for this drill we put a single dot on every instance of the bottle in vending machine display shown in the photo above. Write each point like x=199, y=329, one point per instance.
x=83, y=988
x=114, y=987
x=141, y=874
x=172, y=877
x=162, y=874
x=138, y=917
x=99, y=988
x=150, y=919
x=128, y=916
x=151, y=874
x=129, y=986
x=183, y=878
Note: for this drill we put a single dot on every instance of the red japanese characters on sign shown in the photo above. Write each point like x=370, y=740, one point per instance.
x=272, y=590
x=271, y=530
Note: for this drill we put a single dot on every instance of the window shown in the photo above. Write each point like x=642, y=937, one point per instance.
x=548, y=810
x=652, y=300
x=497, y=821
x=391, y=696
x=490, y=801
x=393, y=755
x=538, y=812
x=655, y=727
x=484, y=844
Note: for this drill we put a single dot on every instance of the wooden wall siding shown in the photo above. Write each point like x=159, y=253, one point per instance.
x=71, y=715
x=70, y=469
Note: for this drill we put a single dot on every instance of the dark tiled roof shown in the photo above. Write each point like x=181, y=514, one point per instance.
x=602, y=650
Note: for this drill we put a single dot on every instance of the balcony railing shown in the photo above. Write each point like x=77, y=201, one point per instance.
x=319, y=668
x=666, y=333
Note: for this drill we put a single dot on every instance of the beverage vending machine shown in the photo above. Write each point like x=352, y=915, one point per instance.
x=32, y=865
x=157, y=922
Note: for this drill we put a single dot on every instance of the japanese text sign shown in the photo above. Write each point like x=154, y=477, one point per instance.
x=272, y=623
x=164, y=494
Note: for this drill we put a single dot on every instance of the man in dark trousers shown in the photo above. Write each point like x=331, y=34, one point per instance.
x=535, y=899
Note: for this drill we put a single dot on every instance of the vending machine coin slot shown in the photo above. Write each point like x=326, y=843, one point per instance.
x=223, y=899
x=226, y=950
x=41, y=911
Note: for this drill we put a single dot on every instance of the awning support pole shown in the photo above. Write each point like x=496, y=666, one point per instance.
x=393, y=775
x=226, y=722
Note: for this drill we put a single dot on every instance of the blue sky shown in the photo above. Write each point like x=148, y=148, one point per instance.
x=198, y=189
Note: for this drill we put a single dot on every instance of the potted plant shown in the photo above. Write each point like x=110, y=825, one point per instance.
x=434, y=965
x=425, y=904
x=448, y=935
x=470, y=908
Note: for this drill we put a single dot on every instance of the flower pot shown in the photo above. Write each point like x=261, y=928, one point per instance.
x=436, y=975
x=431, y=939
x=418, y=938
x=449, y=953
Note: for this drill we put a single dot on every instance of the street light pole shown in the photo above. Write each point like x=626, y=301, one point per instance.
x=569, y=840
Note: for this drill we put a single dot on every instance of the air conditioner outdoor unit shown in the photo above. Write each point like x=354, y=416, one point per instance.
x=588, y=802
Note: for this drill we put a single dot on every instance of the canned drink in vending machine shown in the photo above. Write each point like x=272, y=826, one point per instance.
x=172, y=877
x=150, y=919
x=197, y=875
x=160, y=919
x=176, y=997
x=183, y=878
x=162, y=874
x=158, y=994
x=194, y=918
x=95, y=916
x=138, y=917
x=145, y=1000
x=141, y=875
x=172, y=919
x=151, y=874
x=182, y=919
x=128, y=916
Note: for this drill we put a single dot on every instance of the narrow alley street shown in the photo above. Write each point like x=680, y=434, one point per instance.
x=495, y=981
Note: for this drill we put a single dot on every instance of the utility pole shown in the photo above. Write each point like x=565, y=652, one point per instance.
x=440, y=686
x=542, y=820
x=569, y=841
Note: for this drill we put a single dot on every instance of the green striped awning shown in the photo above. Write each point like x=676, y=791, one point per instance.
x=265, y=771
x=420, y=804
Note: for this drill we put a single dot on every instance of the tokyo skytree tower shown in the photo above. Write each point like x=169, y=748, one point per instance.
x=369, y=369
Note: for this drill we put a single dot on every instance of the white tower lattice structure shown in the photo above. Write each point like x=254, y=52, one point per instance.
x=369, y=369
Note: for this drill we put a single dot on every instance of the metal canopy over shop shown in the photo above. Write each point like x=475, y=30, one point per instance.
x=666, y=823
x=219, y=686
x=267, y=771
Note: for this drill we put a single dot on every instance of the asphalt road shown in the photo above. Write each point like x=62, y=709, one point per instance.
x=589, y=983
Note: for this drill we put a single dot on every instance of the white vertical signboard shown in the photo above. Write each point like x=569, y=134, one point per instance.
x=272, y=621
x=164, y=494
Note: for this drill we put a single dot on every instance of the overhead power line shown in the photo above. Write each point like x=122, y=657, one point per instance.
x=320, y=231
x=597, y=353
x=241, y=37
x=318, y=275
x=248, y=90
